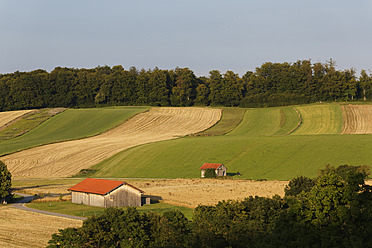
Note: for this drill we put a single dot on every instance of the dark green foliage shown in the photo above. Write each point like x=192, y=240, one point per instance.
x=127, y=228
x=298, y=185
x=236, y=223
x=272, y=84
x=210, y=173
x=5, y=181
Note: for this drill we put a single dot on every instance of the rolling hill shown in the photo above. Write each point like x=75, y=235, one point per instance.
x=268, y=144
x=263, y=143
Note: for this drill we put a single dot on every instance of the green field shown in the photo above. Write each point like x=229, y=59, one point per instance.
x=320, y=119
x=71, y=124
x=259, y=148
x=231, y=118
x=66, y=207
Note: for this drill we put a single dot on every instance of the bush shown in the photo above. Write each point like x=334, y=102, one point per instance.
x=298, y=185
x=5, y=181
x=210, y=173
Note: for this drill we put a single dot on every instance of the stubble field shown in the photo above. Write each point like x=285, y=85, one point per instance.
x=8, y=116
x=22, y=229
x=357, y=119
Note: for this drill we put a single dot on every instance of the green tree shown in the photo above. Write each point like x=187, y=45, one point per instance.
x=298, y=185
x=5, y=181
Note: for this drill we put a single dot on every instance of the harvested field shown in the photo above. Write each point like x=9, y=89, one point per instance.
x=192, y=192
x=68, y=158
x=357, y=119
x=184, y=192
x=8, y=116
x=19, y=228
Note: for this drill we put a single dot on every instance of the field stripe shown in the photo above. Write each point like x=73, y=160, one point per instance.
x=320, y=119
x=68, y=158
x=9, y=116
x=357, y=119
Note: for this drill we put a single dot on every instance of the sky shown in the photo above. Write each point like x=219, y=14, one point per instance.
x=203, y=35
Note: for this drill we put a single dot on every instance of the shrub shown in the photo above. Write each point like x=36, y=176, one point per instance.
x=210, y=173
x=298, y=185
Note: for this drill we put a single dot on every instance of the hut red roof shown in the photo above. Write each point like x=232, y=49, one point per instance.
x=209, y=166
x=99, y=186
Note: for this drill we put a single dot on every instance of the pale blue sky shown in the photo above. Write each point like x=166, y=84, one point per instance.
x=203, y=35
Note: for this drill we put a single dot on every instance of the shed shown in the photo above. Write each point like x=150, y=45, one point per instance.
x=107, y=193
x=220, y=169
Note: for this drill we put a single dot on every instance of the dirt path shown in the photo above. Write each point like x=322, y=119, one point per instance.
x=67, y=158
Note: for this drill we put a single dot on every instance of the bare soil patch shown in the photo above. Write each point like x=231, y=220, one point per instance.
x=357, y=119
x=68, y=158
x=19, y=228
x=9, y=116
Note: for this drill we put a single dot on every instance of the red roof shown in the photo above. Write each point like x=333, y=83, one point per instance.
x=210, y=166
x=99, y=186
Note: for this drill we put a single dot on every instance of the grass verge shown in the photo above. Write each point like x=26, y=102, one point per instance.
x=66, y=207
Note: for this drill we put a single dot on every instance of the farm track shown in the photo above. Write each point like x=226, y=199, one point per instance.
x=67, y=158
x=10, y=116
x=357, y=119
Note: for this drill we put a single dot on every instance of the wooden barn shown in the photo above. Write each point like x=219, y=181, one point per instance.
x=220, y=169
x=107, y=193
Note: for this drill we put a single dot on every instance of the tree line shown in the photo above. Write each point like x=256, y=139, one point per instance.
x=333, y=210
x=272, y=84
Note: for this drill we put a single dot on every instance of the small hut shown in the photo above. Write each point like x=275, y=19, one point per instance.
x=107, y=193
x=220, y=169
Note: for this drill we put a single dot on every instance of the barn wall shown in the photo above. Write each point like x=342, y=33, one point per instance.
x=87, y=199
x=221, y=171
x=123, y=196
x=80, y=198
x=97, y=200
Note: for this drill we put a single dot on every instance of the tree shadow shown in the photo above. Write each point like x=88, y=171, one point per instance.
x=232, y=174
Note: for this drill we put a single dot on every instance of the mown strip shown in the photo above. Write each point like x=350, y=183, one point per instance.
x=320, y=119
x=231, y=117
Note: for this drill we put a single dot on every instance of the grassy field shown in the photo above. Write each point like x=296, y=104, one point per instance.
x=71, y=124
x=258, y=148
x=66, y=207
x=26, y=123
x=320, y=119
x=281, y=157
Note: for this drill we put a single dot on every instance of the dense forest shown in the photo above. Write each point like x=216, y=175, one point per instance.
x=272, y=84
x=333, y=210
